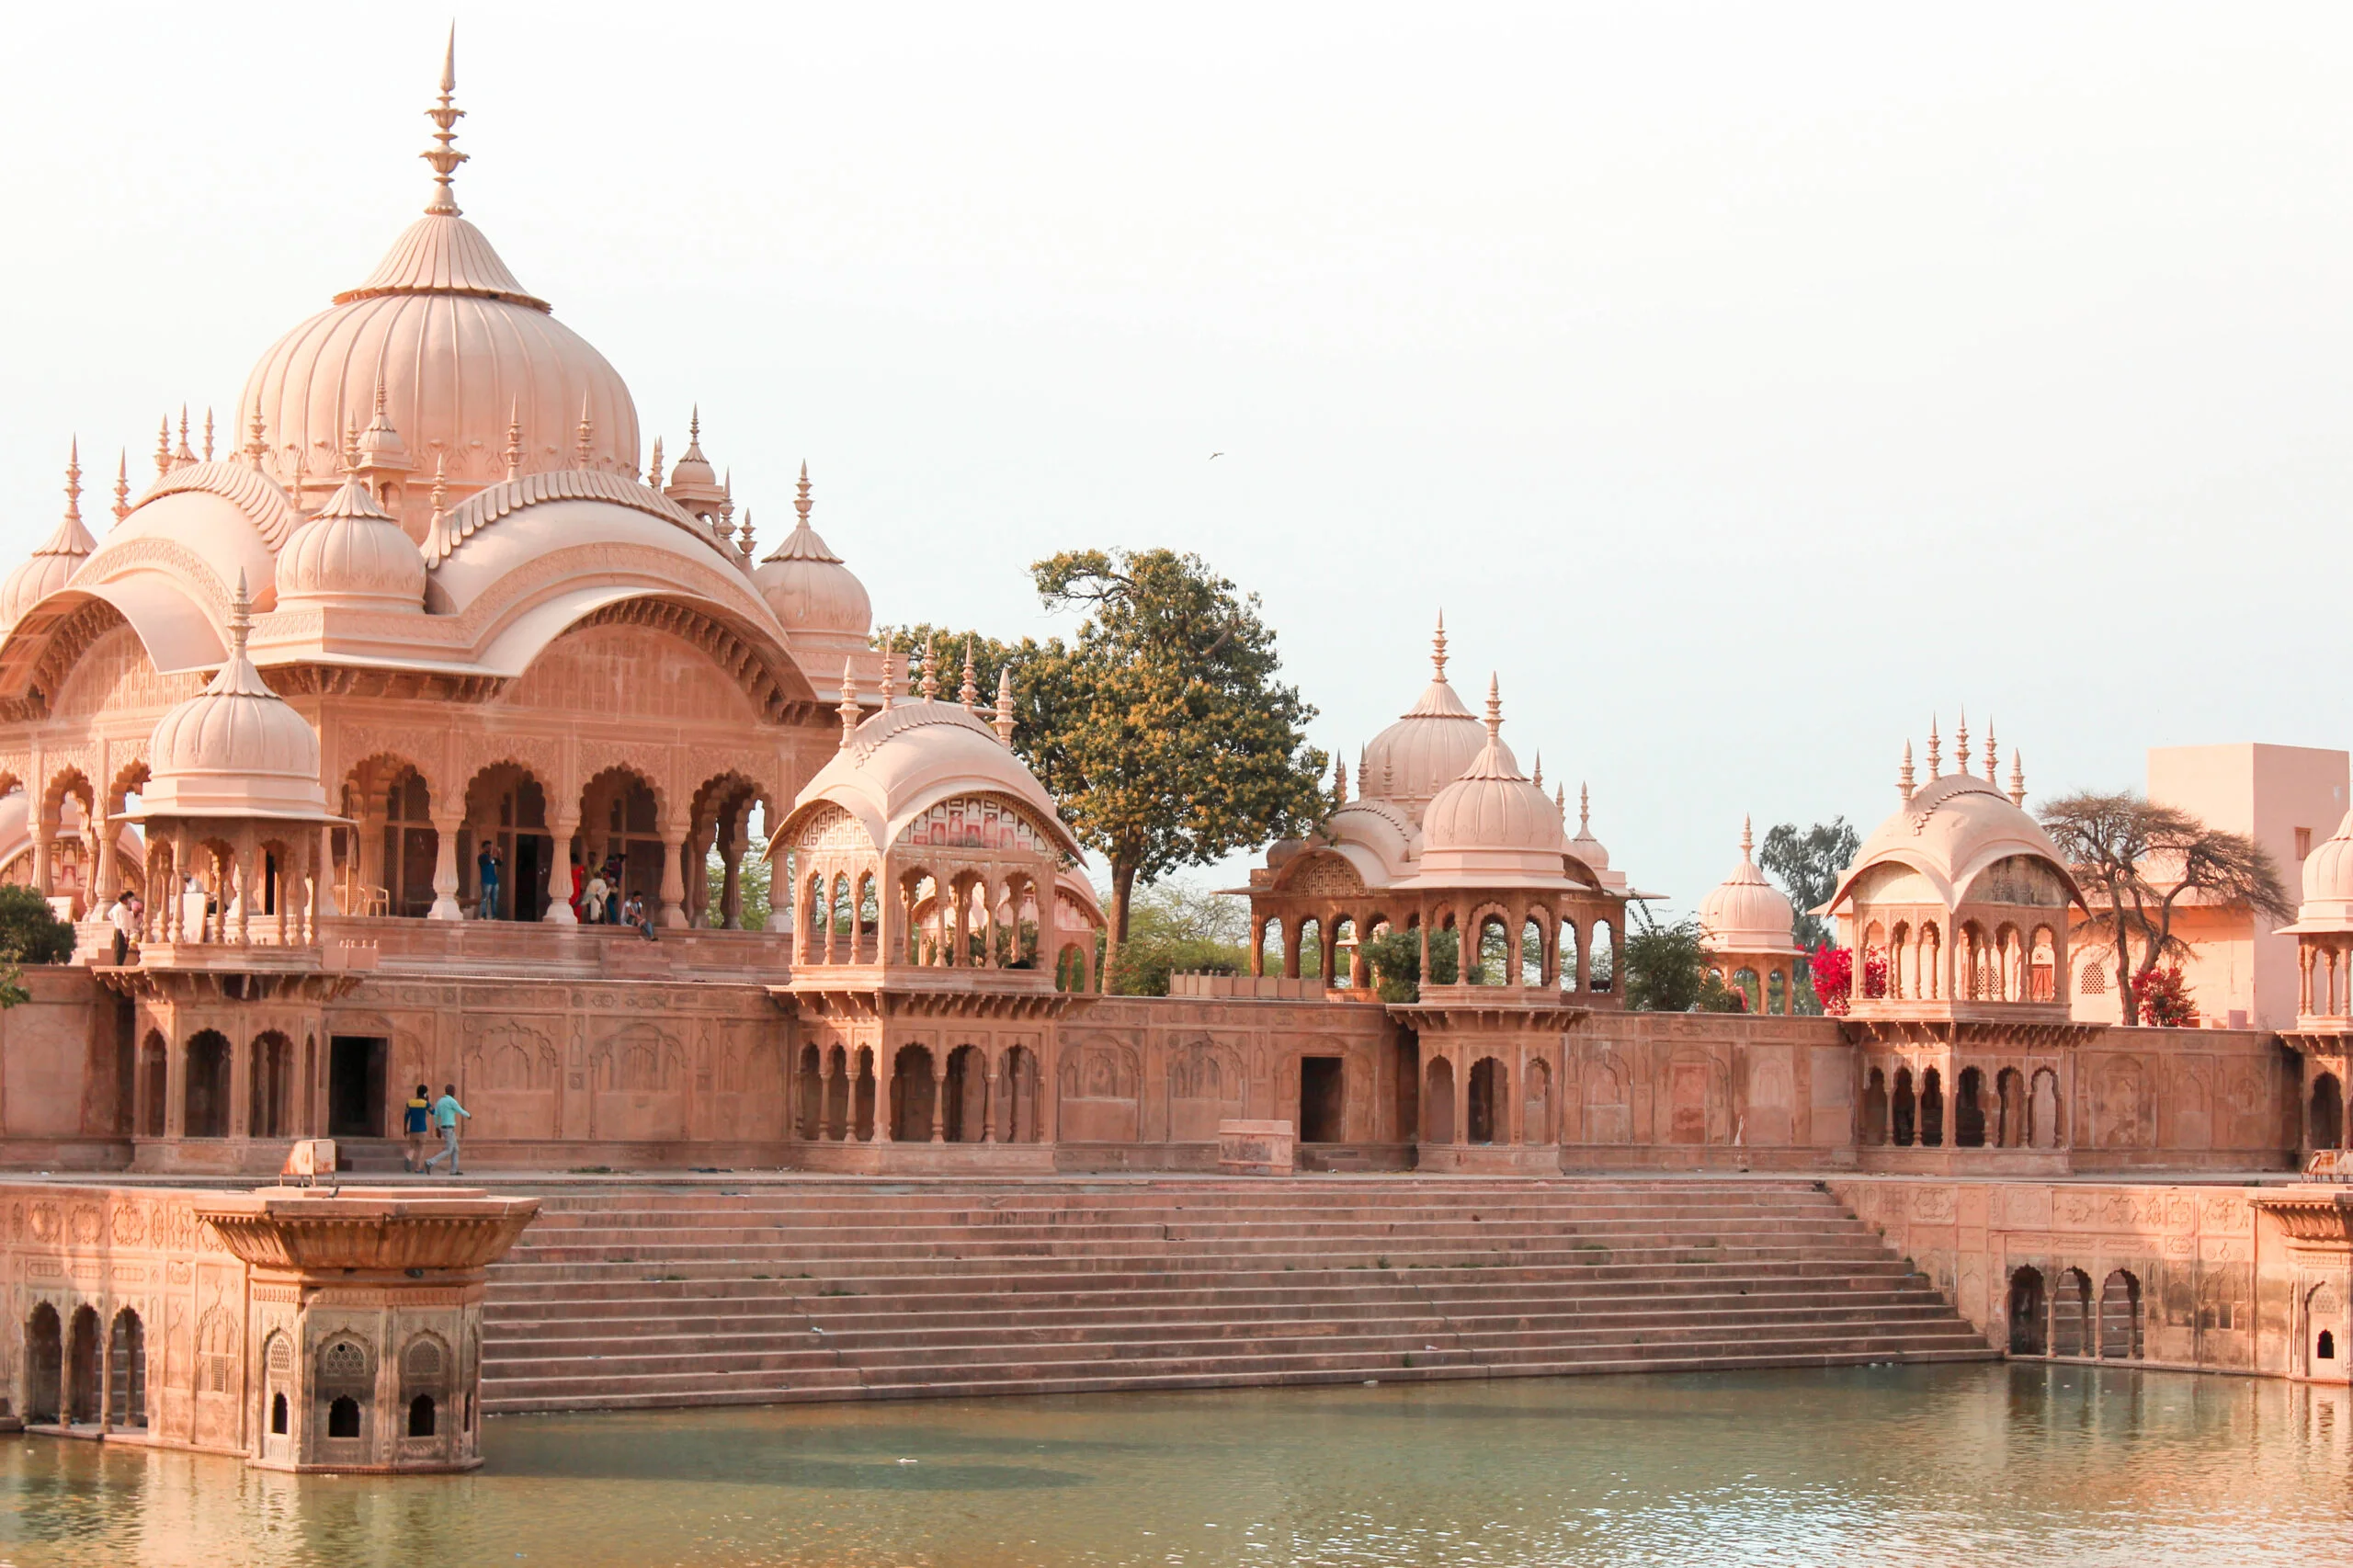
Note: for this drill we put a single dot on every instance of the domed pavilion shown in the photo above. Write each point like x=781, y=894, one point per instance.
x=1745, y=925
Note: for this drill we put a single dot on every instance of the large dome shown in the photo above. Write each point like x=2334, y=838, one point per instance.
x=461, y=350
x=1428, y=747
x=352, y=556
x=1493, y=822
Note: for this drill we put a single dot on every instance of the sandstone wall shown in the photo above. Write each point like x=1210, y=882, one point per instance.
x=59, y=1062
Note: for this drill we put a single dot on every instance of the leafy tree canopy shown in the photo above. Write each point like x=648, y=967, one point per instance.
x=1175, y=927
x=30, y=933
x=1807, y=863
x=1666, y=970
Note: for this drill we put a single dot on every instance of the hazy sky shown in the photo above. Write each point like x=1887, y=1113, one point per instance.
x=1745, y=382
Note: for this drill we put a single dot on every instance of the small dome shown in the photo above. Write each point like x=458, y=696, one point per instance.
x=1428, y=747
x=236, y=749
x=1493, y=820
x=808, y=586
x=1584, y=847
x=1745, y=914
x=47, y=569
x=2329, y=883
x=694, y=483
x=352, y=556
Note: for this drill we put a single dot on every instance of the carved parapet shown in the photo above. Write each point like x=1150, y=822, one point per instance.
x=300, y=1230
x=2311, y=1218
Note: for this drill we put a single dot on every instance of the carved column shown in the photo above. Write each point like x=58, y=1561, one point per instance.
x=939, y=1097
x=445, y=868
x=560, y=875
x=991, y=1098
x=1461, y=1102
x=882, y=1129
x=731, y=887
x=825, y=1119
x=674, y=882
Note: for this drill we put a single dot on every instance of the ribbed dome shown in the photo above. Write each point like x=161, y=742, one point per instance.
x=460, y=348
x=1493, y=820
x=47, y=569
x=2329, y=883
x=1428, y=747
x=352, y=556
x=236, y=749
x=1745, y=914
x=806, y=584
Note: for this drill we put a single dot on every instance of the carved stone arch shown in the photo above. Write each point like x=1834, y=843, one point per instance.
x=643, y=660
x=389, y=762
x=649, y=764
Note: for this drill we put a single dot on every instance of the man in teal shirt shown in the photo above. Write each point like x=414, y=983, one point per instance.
x=446, y=1111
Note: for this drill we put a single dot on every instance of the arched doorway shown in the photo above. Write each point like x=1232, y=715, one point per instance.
x=44, y=1364
x=912, y=1095
x=506, y=809
x=1968, y=1110
x=208, y=1086
x=1488, y=1086
x=81, y=1392
x=968, y=1095
x=1875, y=1107
x=127, y=1372
x=2030, y=1334
x=620, y=831
x=2328, y=1112
x=2119, y=1317
x=2070, y=1313
x=1437, y=1103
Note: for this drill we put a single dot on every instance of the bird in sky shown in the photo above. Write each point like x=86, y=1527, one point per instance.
x=1214, y=456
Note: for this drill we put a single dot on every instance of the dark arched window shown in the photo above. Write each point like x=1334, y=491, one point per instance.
x=343, y=1418
x=420, y=1416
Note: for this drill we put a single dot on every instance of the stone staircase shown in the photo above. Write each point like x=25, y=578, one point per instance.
x=624, y=1297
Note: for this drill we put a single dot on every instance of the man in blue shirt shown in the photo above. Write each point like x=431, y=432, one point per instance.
x=486, y=869
x=416, y=1126
x=446, y=1111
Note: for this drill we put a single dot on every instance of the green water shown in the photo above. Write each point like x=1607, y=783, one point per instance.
x=1978, y=1464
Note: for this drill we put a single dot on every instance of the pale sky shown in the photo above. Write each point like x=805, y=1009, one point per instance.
x=1747, y=382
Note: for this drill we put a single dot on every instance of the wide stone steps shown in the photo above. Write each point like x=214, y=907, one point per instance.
x=635, y=1297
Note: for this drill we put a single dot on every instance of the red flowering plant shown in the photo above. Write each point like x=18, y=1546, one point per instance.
x=2162, y=999
x=1832, y=971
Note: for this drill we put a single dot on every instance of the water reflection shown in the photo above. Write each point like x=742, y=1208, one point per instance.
x=1980, y=1464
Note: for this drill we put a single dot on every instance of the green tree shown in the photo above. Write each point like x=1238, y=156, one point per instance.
x=1666, y=970
x=30, y=933
x=1395, y=959
x=1162, y=728
x=2136, y=861
x=1807, y=862
x=1175, y=927
x=752, y=882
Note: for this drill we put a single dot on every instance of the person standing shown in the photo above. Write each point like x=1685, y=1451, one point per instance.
x=124, y=918
x=592, y=903
x=486, y=869
x=446, y=1111
x=416, y=1126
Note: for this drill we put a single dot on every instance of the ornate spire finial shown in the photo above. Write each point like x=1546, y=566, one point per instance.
x=1904, y=781
x=890, y=669
x=654, y=468
x=1339, y=780
x=848, y=709
x=801, y=502
x=1004, y=703
x=443, y=155
x=584, y=444
x=351, y=445
x=1961, y=737
x=1584, y=810
x=1747, y=843
x=441, y=487
x=1539, y=779
x=2017, y=780
x=694, y=425
x=515, y=439
x=183, y=455
x=930, y=672
x=1993, y=753
x=208, y=435
x=164, y=448
x=123, y=485
x=1935, y=751
x=1438, y=647
x=970, y=692
x=1494, y=710
x=256, y=448
x=745, y=536
x=1561, y=801
x=241, y=618
x=726, y=500
x=73, y=480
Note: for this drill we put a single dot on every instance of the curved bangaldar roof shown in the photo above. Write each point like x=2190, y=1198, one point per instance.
x=1745, y=914
x=1951, y=830
x=474, y=370
x=1428, y=747
x=911, y=756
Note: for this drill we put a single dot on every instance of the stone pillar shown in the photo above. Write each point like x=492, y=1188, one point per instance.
x=44, y=852
x=560, y=875
x=175, y=1085
x=883, y=1133
x=730, y=886
x=674, y=882
x=108, y=882
x=824, y=1118
x=991, y=1096
x=1462, y=1103
x=939, y=1097
x=445, y=868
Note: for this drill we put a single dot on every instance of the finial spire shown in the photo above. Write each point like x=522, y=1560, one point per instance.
x=351, y=444
x=183, y=455
x=1339, y=780
x=1747, y=841
x=584, y=444
x=890, y=669
x=241, y=618
x=443, y=155
x=653, y=467
x=1004, y=703
x=256, y=448
x=801, y=502
x=1993, y=753
x=1584, y=810
x=848, y=709
x=1904, y=781
x=1935, y=751
x=515, y=439
x=164, y=448
x=1561, y=801
x=1539, y=779
x=694, y=425
x=1494, y=710
x=930, y=672
x=969, y=694
x=1961, y=736
x=745, y=536
x=123, y=485
x=1438, y=647
x=74, y=481
x=2017, y=780
x=208, y=435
